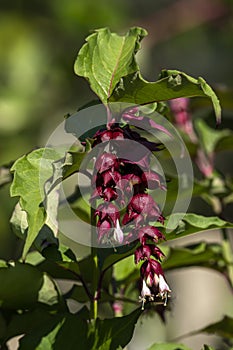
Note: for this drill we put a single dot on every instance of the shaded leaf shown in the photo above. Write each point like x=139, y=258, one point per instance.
x=202, y=254
x=109, y=257
x=172, y=84
x=45, y=330
x=168, y=346
x=20, y=285
x=79, y=205
x=2, y=326
x=63, y=257
x=74, y=159
x=106, y=58
x=223, y=328
x=109, y=334
x=64, y=331
x=207, y=347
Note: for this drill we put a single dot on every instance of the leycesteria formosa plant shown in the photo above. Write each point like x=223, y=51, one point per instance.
x=123, y=148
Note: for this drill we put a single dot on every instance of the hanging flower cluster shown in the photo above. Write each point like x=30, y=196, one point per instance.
x=123, y=183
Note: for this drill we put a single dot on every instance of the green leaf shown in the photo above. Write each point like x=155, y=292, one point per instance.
x=227, y=253
x=172, y=84
x=63, y=257
x=109, y=257
x=192, y=223
x=48, y=294
x=106, y=58
x=109, y=334
x=23, y=286
x=30, y=174
x=20, y=285
x=19, y=222
x=64, y=331
x=203, y=254
x=209, y=137
x=78, y=293
x=223, y=328
x=2, y=326
x=79, y=204
x=207, y=347
x=73, y=160
x=168, y=346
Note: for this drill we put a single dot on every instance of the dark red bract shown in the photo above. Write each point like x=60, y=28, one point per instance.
x=124, y=183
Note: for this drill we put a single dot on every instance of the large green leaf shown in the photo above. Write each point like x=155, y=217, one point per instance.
x=168, y=346
x=106, y=58
x=193, y=223
x=109, y=334
x=223, y=328
x=172, y=84
x=20, y=285
x=43, y=330
x=63, y=257
x=30, y=174
x=203, y=254
x=109, y=257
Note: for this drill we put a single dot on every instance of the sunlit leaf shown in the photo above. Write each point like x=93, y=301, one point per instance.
x=48, y=294
x=193, y=223
x=172, y=84
x=106, y=58
x=30, y=174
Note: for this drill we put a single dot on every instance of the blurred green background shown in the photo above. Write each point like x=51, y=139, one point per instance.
x=39, y=41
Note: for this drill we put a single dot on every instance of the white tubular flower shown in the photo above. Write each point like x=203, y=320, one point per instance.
x=145, y=292
x=164, y=289
x=118, y=234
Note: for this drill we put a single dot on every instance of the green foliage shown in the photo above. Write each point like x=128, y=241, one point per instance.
x=106, y=58
x=30, y=174
x=31, y=303
x=108, y=334
x=193, y=223
x=23, y=286
x=222, y=328
x=172, y=84
x=168, y=346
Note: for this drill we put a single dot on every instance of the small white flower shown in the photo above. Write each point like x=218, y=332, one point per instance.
x=118, y=234
x=164, y=289
x=145, y=292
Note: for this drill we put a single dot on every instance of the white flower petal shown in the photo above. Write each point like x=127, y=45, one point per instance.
x=118, y=234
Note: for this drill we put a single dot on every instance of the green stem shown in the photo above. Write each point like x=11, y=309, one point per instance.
x=224, y=234
x=95, y=275
x=228, y=255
